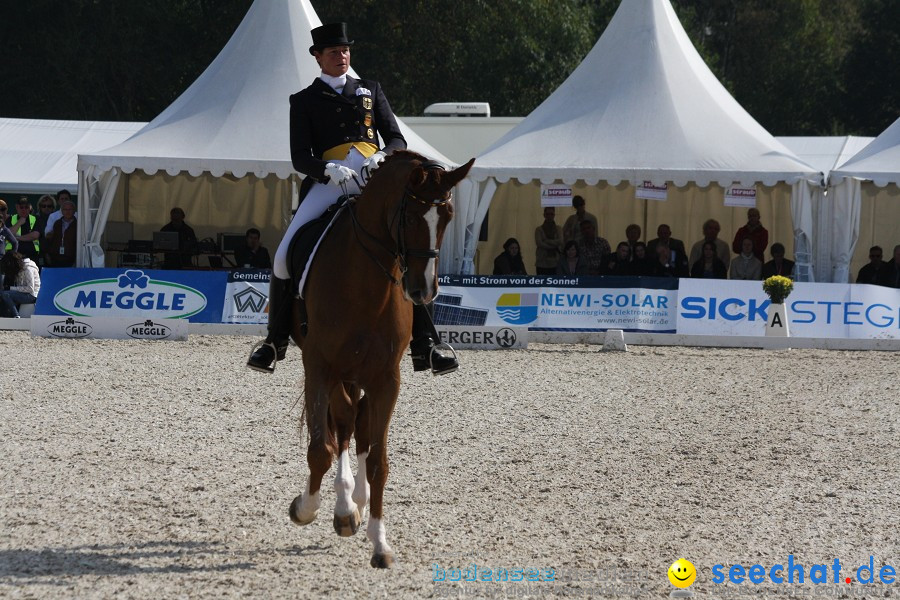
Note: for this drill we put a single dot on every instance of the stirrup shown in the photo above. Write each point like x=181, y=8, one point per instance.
x=275, y=359
x=455, y=359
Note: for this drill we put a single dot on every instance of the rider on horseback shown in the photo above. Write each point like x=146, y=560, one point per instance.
x=333, y=125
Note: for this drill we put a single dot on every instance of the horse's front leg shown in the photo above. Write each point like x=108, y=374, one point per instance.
x=344, y=399
x=381, y=407
x=361, y=433
x=319, y=454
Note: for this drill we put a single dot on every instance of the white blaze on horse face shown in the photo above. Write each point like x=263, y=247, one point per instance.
x=343, y=486
x=432, y=218
x=376, y=535
x=361, y=490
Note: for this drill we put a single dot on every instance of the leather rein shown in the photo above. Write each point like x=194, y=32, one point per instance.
x=401, y=252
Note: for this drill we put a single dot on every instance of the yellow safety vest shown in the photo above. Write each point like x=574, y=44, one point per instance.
x=31, y=221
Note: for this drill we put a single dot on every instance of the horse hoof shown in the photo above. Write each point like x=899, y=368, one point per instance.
x=382, y=561
x=294, y=512
x=347, y=525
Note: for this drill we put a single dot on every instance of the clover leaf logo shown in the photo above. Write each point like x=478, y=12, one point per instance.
x=131, y=279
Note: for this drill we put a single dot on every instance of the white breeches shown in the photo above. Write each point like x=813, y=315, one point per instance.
x=319, y=198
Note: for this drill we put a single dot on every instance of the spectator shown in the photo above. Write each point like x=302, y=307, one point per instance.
x=757, y=234
x=677, y=255
x=46, y=206
x=746, y=265
x=509, y=262
x=548, y=241
x=779, y=265
x=711, y=229
x=570, y=264
x=640, y=265
x=253, y=255
x=63, y=238
x=618, y=264
x=187, y=241
x=874, y=271
x=592, y=249
x=709, y=265
x=7, y=237
x=632, y=235
x=664, y=266
x=25, y=283
x=61, y=196
x=891, y=274
x=572, y=228
x=23, y=224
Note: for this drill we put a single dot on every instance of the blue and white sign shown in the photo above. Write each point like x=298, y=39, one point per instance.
x=140, y=295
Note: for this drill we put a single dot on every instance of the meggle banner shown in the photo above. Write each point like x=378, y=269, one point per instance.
x=134, y=293
x=821, y=310
x=247, y=297
x=559, y=303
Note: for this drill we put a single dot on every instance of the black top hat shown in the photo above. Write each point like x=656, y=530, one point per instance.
x=326, y=36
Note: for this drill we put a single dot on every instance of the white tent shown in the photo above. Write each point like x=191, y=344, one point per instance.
x=221, y=151
x=39, y=156
x=642, y=105
x=867, y=186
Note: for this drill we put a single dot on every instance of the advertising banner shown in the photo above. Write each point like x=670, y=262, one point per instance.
x=820, y=310
x=740, y=196
x=559, y=303
x=471, y=337
x=115, y=328
x=134, y=293
x=649, y=191
x=247, y=297
x=556, y=195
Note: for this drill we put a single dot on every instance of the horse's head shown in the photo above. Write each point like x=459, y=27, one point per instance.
x=421, y=218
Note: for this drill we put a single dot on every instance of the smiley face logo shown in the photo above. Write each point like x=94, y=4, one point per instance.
x=682, y=573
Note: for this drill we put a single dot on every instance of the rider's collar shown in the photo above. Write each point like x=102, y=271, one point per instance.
x=337, y=83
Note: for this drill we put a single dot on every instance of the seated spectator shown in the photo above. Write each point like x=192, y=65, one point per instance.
x=548, y=239
x=632, y=235
x=746, y=265
x=24, y=281
x=570, y=264
x=711, y=229
x=663, y=266
x=640, y=265
x=24, y=225
x=891, y=274
x=677, y=255
x=187, y=242
x=618, y=264
x=509, y=262
x=874, y=271
x=63, y=238
x=754, y=230
x=253, y=255
x=592, y=249
x=7, y=237
x=779, y=265
x=709, y=265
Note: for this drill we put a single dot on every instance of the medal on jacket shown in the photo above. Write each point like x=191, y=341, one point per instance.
x=368, y=120
x=370, y=133
x=367, y=103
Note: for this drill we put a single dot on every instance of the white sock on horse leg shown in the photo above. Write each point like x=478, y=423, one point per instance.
x=343, y=486
x=361, y=489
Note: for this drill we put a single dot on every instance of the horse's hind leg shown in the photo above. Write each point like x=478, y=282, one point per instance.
x=361, y=487
x=319, y=455
x=381, y=406
x=344, y=398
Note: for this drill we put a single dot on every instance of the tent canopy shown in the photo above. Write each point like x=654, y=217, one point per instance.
x=878, y=162
x=40, y=156
x=234, y=117
x=641, y=106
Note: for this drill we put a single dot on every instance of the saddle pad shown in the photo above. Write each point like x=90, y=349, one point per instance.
x=306, y=243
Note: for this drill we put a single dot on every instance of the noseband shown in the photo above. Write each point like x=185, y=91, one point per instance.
x=401, y=253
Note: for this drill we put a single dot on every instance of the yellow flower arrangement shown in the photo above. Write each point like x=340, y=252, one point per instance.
x=778, y=288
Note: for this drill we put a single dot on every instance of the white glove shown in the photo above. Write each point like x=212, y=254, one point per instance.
x=338, y=174
x=374, y=161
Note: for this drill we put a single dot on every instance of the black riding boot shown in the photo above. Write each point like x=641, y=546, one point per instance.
x=275, y=347
x=426, y=350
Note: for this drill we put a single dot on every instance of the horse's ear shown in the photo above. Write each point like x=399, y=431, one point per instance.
x=417, y=177
x=458, y=174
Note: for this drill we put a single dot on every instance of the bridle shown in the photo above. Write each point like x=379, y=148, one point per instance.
x=401, y=252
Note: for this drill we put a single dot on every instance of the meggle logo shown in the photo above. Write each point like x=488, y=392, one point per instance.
x=130, y=293
x=518, y=309
x=730, y=309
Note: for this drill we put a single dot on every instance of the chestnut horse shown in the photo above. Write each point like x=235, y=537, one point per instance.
x=379, y=258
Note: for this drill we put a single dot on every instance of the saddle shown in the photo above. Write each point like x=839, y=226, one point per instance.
x=303, y=246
